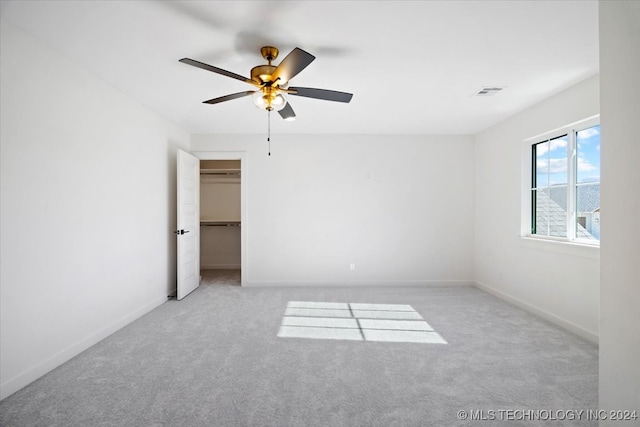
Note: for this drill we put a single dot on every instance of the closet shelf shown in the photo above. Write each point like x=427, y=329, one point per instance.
x=207, y=223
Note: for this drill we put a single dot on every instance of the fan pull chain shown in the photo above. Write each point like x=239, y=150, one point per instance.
x=269, y=130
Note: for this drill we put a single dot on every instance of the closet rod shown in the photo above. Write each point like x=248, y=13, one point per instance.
x=220, y=223
x=209, y=172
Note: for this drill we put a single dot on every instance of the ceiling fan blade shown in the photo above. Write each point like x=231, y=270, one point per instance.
x=217, y=70
x=228, y=97
x=296, y=61
x=287, y=112
x=327, y=95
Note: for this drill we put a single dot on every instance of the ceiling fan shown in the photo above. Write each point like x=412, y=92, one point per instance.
x=273, y=81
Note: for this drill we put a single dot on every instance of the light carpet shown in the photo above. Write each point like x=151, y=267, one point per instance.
x=214, y=359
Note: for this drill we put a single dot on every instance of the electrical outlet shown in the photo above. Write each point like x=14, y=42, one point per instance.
x=352, y=266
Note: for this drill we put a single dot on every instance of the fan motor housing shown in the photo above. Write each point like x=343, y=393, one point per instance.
x=262, y=73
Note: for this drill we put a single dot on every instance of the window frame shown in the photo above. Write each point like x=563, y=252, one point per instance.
x=528, y=172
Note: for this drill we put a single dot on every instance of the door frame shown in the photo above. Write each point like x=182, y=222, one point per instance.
x=244, y=213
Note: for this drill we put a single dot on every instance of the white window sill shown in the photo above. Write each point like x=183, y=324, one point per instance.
x=561, y=246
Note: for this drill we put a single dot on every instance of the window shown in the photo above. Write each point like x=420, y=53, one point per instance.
x=565, y=184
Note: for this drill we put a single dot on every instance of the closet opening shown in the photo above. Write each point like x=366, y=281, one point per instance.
x=221, y=220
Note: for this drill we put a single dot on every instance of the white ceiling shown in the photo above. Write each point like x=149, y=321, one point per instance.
x=412, y=66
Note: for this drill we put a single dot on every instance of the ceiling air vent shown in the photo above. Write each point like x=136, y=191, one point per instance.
x=488, y=91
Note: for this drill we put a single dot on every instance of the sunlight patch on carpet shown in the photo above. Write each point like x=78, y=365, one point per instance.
x=356, y=322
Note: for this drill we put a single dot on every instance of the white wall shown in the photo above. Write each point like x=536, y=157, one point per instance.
x=399, y=207
x=559, y=282
x=219, y=198
x=620, y=261
x=220, y=248
x=87, y=209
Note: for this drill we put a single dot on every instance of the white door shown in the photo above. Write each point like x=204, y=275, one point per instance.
x=188, y=231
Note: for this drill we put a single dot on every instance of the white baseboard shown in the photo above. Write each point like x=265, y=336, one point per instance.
x=32, y=374
x=363, y=283
x=560, y=321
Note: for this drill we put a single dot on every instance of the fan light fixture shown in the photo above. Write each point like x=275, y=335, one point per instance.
x=268, y=99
